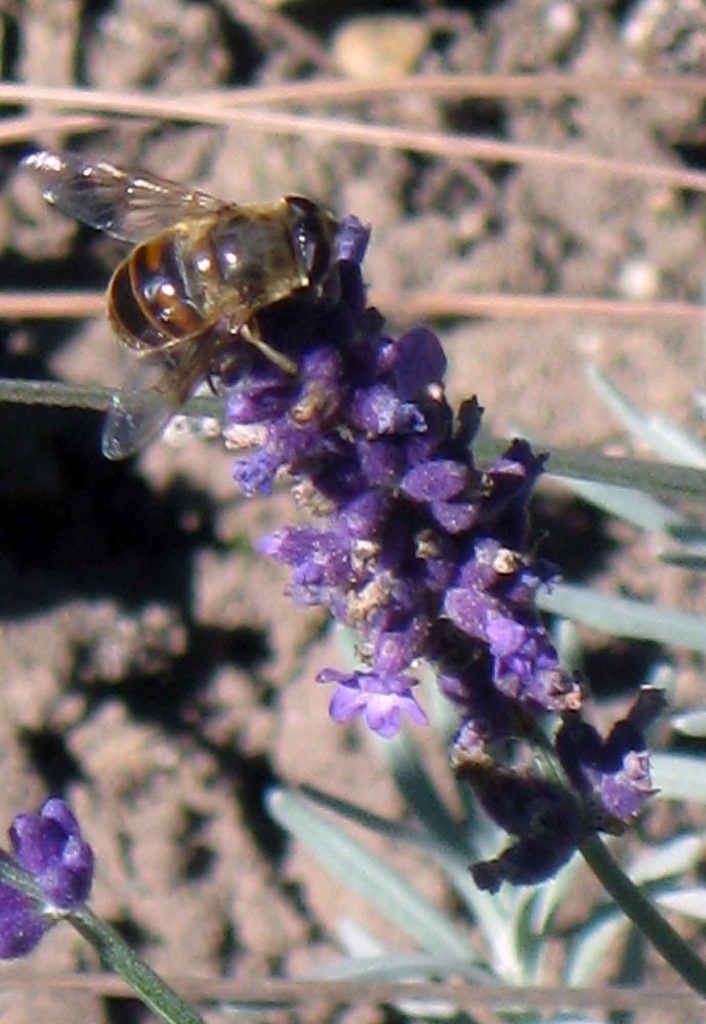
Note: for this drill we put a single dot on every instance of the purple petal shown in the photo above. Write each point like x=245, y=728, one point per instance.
x=346, y=702
x=617, y=770
x=419, y=362
x=381, y=461
x=395, y=651
x=378, y=410
x=383, y=716
x=21, y=926
x=49, y=845
x=364, y=516
x=468, y=610
x=505, y=635
x=258, y=404
x=455, y=516
x=352, y=237
x=440, y=480
x=383, y=700
x=624, y=793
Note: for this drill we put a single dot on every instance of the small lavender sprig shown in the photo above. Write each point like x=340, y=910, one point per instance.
x=48, y=879
x=49, y=875
x=426, y=555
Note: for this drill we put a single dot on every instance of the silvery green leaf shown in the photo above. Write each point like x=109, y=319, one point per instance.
x=690, y=723
x=630, y=505
x=664, y=438
x=573, y=463
x=572, y=1020
x=492, y=914
x=556, y=892
x=404, y=761
x=672, y=857
x=365, y=872
x=694, y=561
x=593, y=944
x=393, y=966
x=527, y=941
x=679, y=776
x=620, y=616
x=569, y=644
x=690, y=901
x=356, y=940
x=674, y=443
x=383, y=826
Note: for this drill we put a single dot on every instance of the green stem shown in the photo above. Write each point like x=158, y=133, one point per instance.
x=18, y=391
x=652, y=476
x=642, y=913
x=119, y=957
x=114, y=951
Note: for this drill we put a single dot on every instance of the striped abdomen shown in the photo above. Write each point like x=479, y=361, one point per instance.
x=180, y=283
x=149, y=302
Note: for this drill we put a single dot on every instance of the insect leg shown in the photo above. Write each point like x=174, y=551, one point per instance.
x=250, y=333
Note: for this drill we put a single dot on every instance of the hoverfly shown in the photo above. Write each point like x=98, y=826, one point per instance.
x=200, y=273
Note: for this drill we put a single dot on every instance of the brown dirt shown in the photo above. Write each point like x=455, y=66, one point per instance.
x=153, y=672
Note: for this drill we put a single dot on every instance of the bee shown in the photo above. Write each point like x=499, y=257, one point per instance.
x=200, y=273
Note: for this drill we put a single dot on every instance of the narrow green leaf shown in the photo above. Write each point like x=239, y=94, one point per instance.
x=489, y=912
x=665, y=438
x=594, y=944
x=494, y=916
x=691, y=902
x=572, y=463
x=621, y=616
x=694, y=561
x=668, y=859
x=679, y=777
x=404, y=761
x=554, y=893
x=630, y=505
x=675, y=444
x=527, y=942
x=690, y=723
x=394, y=967
x=359, y=869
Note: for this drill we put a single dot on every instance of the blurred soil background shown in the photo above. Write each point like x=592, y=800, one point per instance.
x=153, y=670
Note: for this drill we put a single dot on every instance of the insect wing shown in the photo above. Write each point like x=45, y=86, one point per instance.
x=130, y=206
x=132, y=422
x=141, y=409
x=153, y=391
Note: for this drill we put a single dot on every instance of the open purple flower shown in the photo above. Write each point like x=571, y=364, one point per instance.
x=381, y=699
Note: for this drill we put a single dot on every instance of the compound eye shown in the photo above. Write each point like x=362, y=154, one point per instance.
x=312, y=233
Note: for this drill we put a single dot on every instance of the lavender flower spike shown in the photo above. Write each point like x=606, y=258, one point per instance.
x=50, y=849
x=414, y=537
x=425, y=554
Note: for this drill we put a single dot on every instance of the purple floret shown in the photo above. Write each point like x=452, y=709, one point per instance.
x=380, y=699
x=50, y=849
x=49, y=845
x=21, y=927
x=615, y=772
